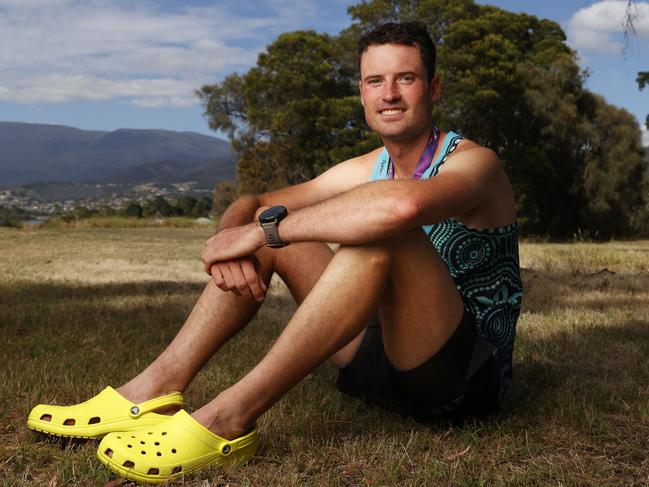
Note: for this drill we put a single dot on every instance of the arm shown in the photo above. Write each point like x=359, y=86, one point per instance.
x=381, y=209
x=238, y=272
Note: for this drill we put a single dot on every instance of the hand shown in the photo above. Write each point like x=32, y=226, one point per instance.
x=232, y=243
x=240, y=276
x=229, y=258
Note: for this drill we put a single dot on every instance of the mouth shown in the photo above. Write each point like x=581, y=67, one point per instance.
x=388, y=112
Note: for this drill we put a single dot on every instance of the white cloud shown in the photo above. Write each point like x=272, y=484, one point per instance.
x=645, y=136
x=65, y=50
x=597, y=28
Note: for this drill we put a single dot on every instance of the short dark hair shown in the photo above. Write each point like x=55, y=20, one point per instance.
x=407, y=33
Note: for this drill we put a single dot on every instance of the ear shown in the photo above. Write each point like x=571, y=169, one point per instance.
x=435, y=89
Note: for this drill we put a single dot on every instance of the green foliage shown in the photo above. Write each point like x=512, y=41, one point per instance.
x=133, y=209
x=292, y=116
x=202, y=208
x=225, y=193
x=509, y=82
x=12, y=217
x=157, y=207
x=642, y=79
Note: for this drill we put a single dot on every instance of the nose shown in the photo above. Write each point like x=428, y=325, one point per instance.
x=391, y=92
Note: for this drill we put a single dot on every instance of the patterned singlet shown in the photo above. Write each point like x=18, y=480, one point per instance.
x=484, y=265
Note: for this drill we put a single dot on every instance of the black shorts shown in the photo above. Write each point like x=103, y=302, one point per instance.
x=460, y=380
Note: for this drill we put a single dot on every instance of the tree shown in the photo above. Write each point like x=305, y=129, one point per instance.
x=643, y=80
x=158, y=207
x=630, y=17
x=224, y=194
x=185, y=206
x=133, y=209
x=291, y=116
x=202, y=208
x=509, y=81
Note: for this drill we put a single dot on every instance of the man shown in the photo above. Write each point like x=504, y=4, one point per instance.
x=428, y=241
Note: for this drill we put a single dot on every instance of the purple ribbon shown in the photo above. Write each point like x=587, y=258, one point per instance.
x=426, y=158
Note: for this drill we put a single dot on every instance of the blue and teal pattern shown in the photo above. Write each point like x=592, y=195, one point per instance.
x=484, y=265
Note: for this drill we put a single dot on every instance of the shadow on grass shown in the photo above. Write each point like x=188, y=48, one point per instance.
x=63, y=333
x=64, y=340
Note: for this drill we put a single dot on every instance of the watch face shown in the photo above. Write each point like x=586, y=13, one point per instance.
x=274, y=213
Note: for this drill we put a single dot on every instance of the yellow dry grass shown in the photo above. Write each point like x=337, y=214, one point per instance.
x=83, y=308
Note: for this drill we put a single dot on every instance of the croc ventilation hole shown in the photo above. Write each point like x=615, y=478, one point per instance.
x=46, y=417
x=153, y=471
x=128, y=464
x=94, y=420
x=108, y=452
x=69, y=422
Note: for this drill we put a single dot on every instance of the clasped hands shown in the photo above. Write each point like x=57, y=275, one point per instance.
x=229, y=258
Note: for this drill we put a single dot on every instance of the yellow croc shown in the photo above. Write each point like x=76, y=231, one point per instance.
x=172, y=449
x=106, y=412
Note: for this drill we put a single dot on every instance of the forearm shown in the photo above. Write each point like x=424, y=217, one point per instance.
x=367, y=213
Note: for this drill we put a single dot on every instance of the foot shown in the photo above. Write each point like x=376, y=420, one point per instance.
x=223, y=421
x=139, y=390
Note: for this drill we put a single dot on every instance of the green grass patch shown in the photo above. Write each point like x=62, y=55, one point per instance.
x=82, y=308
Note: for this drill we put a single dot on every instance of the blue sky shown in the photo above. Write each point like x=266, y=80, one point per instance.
x=109, y=64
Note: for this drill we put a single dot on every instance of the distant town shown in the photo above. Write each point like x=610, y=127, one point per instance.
x=46, y=200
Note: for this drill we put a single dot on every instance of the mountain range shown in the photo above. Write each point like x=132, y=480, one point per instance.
x=32, y=153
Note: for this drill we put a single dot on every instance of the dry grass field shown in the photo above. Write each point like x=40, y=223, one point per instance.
x=84, y=308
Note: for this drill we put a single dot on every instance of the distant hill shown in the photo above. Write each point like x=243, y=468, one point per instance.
x=40, y=153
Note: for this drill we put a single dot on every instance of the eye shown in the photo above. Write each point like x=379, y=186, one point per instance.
x=374, y=81
x=407, y=78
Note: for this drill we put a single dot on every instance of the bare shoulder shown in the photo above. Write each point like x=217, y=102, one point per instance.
x=473, y=157
x=469, y=149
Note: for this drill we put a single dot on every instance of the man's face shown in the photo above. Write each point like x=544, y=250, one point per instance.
x=395, y=91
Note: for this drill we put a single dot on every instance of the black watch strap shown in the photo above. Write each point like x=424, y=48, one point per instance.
x=269, y=220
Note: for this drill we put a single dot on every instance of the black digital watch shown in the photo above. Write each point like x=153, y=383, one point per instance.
x=269, y=220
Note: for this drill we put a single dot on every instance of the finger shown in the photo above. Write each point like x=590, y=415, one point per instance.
x=240, y=279
x=253, y=280
x=215, y=272
x=229, y=279
x=257, y=265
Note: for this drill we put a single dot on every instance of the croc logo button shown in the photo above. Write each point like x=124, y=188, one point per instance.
x=226, y=449
x=135, y=410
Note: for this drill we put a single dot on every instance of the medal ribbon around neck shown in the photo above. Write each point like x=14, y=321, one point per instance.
x=426, y=158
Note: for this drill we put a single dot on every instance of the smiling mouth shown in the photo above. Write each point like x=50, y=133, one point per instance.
x=391, y=111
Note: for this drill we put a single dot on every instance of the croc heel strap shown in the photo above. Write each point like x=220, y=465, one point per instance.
x=172, y=449
x=106, y=412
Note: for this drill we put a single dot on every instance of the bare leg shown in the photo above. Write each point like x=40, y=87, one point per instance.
x=219, y=315
x=335, y=311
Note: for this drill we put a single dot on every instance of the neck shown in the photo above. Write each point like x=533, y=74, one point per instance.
x=405, y=153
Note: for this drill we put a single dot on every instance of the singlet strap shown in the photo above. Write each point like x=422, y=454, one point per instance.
x=450, y=143
x=380, y=170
